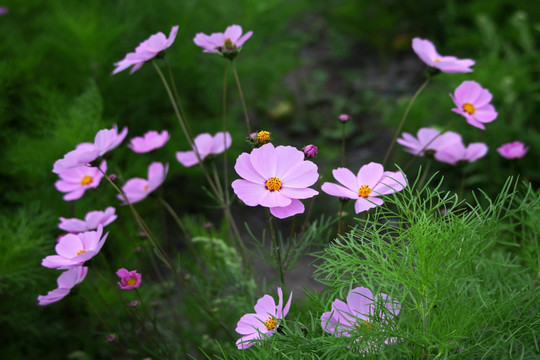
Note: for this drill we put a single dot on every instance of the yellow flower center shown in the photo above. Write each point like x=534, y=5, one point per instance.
x=469, y=108
x=437, y=60
x=364, y=191
x=145, y=187
x=271, y=323
x=263, y=137
x=229, y=45
x=82, y=251
x=364, y=325
x=132, y=281
x=86, y=180
x=273, y=184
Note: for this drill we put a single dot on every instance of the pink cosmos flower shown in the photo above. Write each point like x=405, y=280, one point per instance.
x=206, y=145
x=104, y=141
x=365, y=187
x=76, y=181
x=357, y=315
x=137, y=189
x=4, y=10
x=227, y=44
x=457, y=153
x=513, y=150
x=448, y=64
x=150, y=141
x=473, y=102
x=275, y=177
x=148, y=49
x=90, y=222
x=344, y=118
x=128, y=279
x=74, y=249
x=264, y=322
x=427, y=141
x=66, y=281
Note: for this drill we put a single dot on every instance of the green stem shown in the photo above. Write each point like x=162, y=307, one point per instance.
x=403, y=118
x=277, y=251
x=424, y=174
x=177, y=97
x=241, y=96
x=343, y=144
x=224, y=126
x=340, y=217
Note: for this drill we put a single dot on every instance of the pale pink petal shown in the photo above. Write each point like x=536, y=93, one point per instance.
x=245, y=169
x=363, y=204
x=248, y=192
x=246, y=342
x=370, y=174
x=301, y=175
x=244, y=38
x=294, y=208
x=273, y=198
x=233, y=33
x=338, y=190
x=266, y=306
x=360, y=301
x=298, y=193
x=475, y=151
x=289, y=157
x=203, y=144
x=347, y=178
x=264, y=160
x=220, y=142
x=187, y=158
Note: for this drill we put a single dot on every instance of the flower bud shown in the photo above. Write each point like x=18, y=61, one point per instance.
x=344, y=118
x=310, y=151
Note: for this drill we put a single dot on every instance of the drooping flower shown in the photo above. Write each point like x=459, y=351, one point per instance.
x=205, y=144
x=275, y=177
x=427, y=141
x=227, y=44
x=137, y=189
x=365, y=187
x=473, y=103
x=457, y=153
x=449, y=64
x=76, y=181
x=344, y=118
x=74, y=249
x=310, y=151
x=358, y=314
x=90, y=222
x=147, y=50
x=128, y=279
x=150, y=141
x=264, y=322
x=66, y=281
x=513, y=150
x=104, y=141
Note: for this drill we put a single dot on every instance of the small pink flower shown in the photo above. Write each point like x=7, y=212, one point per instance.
x=73, y=250
x=227, y=44
x=264, y=322
x=4, y=10
x=275, y=177
x=457, y=153
x=76, y=181
x=150, y=141
x=137, y=189
x=90, y=222
x=66, y=281
x=344, y=118
x=513, y=150
x=448, y=64
x=310, y=151
x=128, y=279
x=425, y=136
x=365, y=187
x=148, y=49
x=473, y=102
x=206, y=145
x=104, y=141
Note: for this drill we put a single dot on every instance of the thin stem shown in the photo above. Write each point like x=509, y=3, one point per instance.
x=340, y=217
x=424, y=174
x=224, y=123
x=241, y=97
x=273, y=234
x=343, y=144
x=403, y=118
x=177, y=97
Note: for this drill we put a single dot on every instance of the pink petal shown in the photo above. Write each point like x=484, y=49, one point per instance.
x=266, y=306
x=273, y=198
x=244, y=168
x=294, y=208
x=302, y=193
x=248, y=192
x=289, y=157
x=233, y=32
x=187, y=158
x=360, y=301
x=220, y=142
x=264, y=160
x=363, y=204
x=244, y=38
x=347, y=178
x=203, y=144
x=301, y=175
x=69, y=245
x=338, y=190
x=370, y=174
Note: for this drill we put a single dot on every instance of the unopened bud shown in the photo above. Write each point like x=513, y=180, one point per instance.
x=310, y=151
x=344, y=118
x=111, y=338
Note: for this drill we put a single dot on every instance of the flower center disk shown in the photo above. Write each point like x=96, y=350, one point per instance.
x=263, y=137
x=86, y=180
x=271, y=323
x=273, y=184
x=364, y=191
x=82, y=251
x=132, y=281
x=469, y=108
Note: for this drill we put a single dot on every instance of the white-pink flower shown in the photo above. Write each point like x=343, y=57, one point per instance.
x=66, y=281
x=473, y=103
x=137, y=189
x=146, y=50
x=448, y=64
x=150, y=141
x=457, y=153
x=365, y=187
x=275, y=177
x=90, y=222
x=205, y=144
x=513, y=150
x=76, y=181
x=427, y=141
x=75, y=249
x=226, y=44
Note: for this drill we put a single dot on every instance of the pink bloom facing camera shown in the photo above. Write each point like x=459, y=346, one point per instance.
x=147, y=50
x=513, y=150
x=128, y=279
x=473, y=103
x=449, y=64
x=275, y=177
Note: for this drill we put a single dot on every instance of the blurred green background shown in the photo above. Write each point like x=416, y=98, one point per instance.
x=307, y=62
